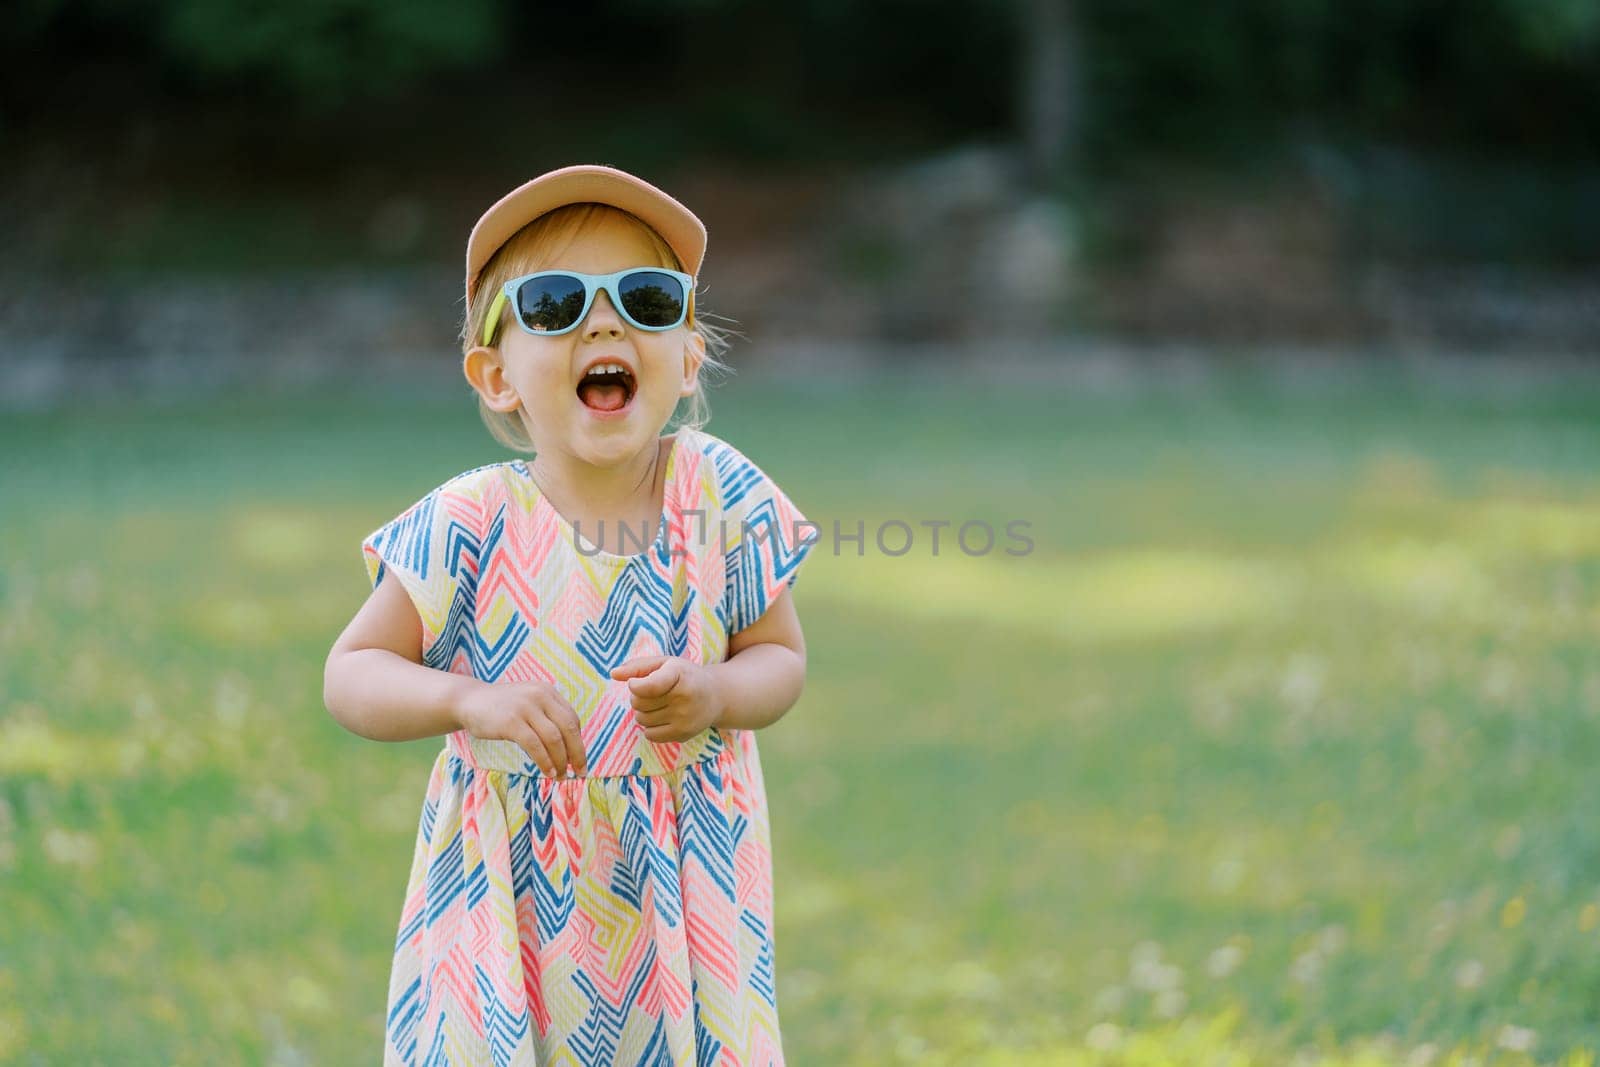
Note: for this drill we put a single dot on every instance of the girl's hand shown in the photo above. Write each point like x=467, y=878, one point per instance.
x=532, y=714
x=673, y=698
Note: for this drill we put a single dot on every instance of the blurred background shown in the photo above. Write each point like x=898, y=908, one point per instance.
x=1275, y=320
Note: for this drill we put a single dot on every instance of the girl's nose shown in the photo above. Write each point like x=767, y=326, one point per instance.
x=603, y=319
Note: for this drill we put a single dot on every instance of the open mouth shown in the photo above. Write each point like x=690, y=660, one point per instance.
x=606, y=388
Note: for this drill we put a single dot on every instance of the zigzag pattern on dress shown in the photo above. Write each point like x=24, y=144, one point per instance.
x=624, y=917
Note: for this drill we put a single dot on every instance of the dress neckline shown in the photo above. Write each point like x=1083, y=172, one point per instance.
x=587, y=548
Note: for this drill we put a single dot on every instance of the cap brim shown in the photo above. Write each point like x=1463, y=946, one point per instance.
x=677, y=225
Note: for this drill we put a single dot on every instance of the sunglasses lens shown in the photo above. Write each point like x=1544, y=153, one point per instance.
x=551, y=303
x=652, y=298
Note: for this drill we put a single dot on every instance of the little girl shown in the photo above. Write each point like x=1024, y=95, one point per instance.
x=592, y=877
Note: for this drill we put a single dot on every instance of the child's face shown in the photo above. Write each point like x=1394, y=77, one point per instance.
x=543, y=373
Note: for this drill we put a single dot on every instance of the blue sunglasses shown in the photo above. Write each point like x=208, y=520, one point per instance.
x=553, y=302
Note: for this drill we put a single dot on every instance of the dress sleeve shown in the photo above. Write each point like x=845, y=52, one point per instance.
x=765, y=538
x=431, y=550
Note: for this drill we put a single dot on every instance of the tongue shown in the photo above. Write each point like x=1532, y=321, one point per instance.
x=608, y=397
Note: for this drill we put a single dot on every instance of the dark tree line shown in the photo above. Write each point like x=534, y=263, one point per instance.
x=1079, y=79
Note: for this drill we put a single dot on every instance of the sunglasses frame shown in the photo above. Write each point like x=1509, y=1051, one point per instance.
x=592, y=284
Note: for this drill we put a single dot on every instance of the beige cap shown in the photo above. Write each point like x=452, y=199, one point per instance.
x=677, y=225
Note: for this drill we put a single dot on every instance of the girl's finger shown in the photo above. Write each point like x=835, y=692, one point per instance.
x=550, y=734
x=530, y=743
x=650, y=705
x=566, y=720
x=659, y=683
x=638, y=667
x=650, y=716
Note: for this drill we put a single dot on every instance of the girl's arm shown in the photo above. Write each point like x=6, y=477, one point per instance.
x=374, y=682
x=765, y=671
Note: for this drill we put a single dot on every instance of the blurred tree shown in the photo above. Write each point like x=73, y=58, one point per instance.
x=1561, y=31
x=1087, y=79
x=327, y=50
x=1239, y=77
x=1050, y=87
x=316, y=53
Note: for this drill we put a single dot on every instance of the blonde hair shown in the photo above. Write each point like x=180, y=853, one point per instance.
x=533, y=248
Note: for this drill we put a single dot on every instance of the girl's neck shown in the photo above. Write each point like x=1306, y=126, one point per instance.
x=627, y=493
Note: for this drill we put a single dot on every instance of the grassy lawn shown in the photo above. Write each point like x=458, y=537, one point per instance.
x=1279, y=744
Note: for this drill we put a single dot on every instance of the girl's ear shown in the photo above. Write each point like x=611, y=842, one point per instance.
x=486, y=374
x=694, y=354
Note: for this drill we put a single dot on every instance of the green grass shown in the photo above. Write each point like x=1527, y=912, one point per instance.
x=1281, y=742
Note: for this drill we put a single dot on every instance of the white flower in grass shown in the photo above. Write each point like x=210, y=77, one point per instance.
x=1302, y=681
x=1422, y=1055
x=1517, y=1038
x=1307, y=967
x=1146, y=971
x=71, y=849
x=1469, y=975
x=1104, y=1037
x=1224, y=961
x=908, y=1043
x=1110, y=1000
x=232, y=700
x=971, y=980
x=1171, y=1002
x=1145, y=952
x=1501, y=681
x=1155, y=977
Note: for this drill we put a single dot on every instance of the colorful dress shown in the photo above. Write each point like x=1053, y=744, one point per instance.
x=624, y=916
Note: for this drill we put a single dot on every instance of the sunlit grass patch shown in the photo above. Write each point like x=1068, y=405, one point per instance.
x=1093, y=597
